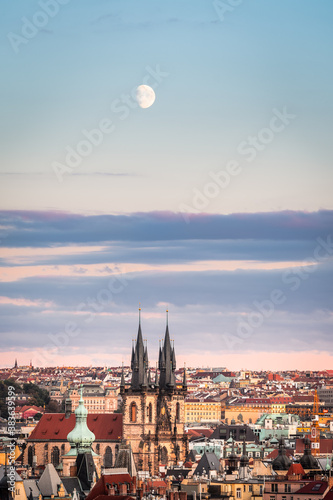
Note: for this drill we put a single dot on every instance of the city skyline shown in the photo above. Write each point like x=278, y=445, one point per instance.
x=215, y=202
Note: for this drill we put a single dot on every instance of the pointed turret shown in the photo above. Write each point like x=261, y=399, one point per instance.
x=156, y=376
x=133, y=355
x=167, y=362
x=139, y=362
x=122, y=380
x=184, y=380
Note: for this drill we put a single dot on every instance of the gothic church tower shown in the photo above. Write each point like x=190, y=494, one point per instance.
x=153, y=411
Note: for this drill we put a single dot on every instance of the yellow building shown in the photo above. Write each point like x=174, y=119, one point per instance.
x=278, y=408
x=197, y=410
x=11, y=455
x=19, y=489
x=229, y=490
x=239, y=489
x=96, y=399
x=249, y=413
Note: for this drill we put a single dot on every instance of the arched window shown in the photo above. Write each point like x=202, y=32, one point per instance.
x=46, y=454
x=62, y=449
x=133, y=412
x=178, y=412
x=150, y=413
x=30, y=455
x=108, y=458
x=55, y=456
x=98, y=448
x=116, y=450
x=164, y=456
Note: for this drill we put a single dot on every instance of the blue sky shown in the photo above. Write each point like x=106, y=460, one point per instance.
x=251, y=87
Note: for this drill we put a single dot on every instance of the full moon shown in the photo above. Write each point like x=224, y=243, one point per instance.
x=145, y=96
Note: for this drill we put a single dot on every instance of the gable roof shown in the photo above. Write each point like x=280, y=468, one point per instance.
x=209, y=461
x=49, y=482
x=30, y=485
x=295, y=470
x=55, y=427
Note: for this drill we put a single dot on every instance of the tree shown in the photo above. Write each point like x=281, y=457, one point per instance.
x=4, y=393
x=38, y=396
x=53, y=407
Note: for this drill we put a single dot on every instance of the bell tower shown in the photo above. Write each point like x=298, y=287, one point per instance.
x=153, y=411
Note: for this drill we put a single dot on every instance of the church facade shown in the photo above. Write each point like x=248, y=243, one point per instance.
x=154, y=410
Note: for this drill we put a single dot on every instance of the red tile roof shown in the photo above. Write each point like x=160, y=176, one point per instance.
x=296, y=470
x=100, y=489
x=273, y=454
x=200, y=432
x=329, y=495
x=155, y=483
x=313, y=488
x=54, y=426
x=326, y=445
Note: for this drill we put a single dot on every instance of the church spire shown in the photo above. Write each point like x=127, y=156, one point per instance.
x=81, y=436
x=122, y=381
x=184, y=379
x=156, y=376
x=167, y=361
x=139, y=362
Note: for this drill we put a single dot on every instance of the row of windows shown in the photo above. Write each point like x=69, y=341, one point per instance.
x=275, y=488
x=202, y=413
x=239, y=491
x=202, y=404
x=56, y=453
x=133, y=413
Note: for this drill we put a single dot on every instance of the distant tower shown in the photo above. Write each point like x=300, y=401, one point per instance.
x=153, y=410
x=15, y=365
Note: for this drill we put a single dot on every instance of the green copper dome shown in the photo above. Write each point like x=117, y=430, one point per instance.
x=81, y=437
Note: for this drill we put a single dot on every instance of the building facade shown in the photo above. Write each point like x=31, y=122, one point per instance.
x=97, y=399
x=48, y=441
x=198, y=410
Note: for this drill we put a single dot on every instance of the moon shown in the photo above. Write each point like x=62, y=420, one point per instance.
x=145, y=96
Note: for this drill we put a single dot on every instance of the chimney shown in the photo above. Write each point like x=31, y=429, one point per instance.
x=68, y=407
x=72, y=471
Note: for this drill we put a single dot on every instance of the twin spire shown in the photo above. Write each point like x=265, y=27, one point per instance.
x=139, y=361
x=141, y=377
